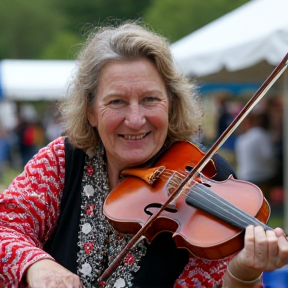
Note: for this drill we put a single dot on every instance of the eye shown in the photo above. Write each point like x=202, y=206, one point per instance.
x=151, y=99
x=116, y=103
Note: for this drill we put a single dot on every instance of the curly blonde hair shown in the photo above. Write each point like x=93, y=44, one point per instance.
x=127, y=42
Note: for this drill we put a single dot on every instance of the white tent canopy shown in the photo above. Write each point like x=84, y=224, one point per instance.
x=242, y=46
x=251, y=39
x=34, y=79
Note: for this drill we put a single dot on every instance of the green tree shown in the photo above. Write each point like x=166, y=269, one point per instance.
x=65, y=45
x=27, y=27
x=176, y=19
x=83, y=15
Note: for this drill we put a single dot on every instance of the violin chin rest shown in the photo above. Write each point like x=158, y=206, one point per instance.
x=149, y=175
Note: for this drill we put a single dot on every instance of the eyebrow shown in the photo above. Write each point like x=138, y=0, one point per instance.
x=122, y=95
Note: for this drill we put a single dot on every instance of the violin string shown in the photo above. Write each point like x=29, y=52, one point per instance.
x=204, y=190
x=229, y=217
x=169, y=173
x=178, y=176
x=250, y=220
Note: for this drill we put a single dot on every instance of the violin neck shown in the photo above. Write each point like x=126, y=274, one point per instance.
x=201, y=197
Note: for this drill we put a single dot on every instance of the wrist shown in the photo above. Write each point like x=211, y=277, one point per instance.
x=236, y=279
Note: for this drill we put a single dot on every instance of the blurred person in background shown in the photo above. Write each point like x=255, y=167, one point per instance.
x=255, y=153
x=53, y=127
x=275, y=111
x=29, y=133
x=225, y=113
x=4, y=150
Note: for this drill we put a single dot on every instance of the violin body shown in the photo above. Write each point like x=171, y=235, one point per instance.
x=129, y=206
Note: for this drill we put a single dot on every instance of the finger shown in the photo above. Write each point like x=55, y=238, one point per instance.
x=247, y=253
x=272, y=241
x=261, y=247
x=279, y=232
x=282, y=251
x=249, y=240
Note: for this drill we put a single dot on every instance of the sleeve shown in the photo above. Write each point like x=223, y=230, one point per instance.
x=266, y=148
x=202, y=273
x=29, y=210
x=223, y=167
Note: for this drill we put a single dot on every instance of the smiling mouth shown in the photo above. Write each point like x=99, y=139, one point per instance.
x=134, y=137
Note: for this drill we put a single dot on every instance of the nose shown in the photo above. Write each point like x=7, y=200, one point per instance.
x=135, y=117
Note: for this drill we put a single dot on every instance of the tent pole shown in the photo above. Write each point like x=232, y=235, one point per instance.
x=285, y=147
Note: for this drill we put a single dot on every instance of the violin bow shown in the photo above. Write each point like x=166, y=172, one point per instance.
x=259, y=94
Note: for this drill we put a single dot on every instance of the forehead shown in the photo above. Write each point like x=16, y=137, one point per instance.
x=132, y=70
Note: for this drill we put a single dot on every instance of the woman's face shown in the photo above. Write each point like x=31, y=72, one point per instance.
x=130, y=112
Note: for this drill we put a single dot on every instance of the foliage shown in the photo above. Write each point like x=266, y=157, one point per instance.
x=52, y=29
x=29, y=27
x=176, y=19
x=65, y=45
x=97, y=12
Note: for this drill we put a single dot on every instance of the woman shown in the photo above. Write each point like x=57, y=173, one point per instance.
x=126, y=104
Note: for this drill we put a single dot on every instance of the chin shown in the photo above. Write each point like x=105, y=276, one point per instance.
x=137, y=162
x=133, y=161
x=136, y=159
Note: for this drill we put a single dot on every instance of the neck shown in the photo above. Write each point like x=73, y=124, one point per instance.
x=113, y=176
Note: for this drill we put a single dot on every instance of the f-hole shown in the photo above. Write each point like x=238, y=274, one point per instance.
x=169, y=208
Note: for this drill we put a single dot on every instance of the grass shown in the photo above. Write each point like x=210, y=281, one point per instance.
x=7, y=177
x=276, y=222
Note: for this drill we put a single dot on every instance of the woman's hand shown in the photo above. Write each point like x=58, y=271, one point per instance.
x=263, y=251
x=47, y=273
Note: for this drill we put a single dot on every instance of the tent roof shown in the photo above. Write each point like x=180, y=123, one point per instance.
x=34, y=79
x=253, y=33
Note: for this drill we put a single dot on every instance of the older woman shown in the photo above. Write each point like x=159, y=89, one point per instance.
x=126, y=104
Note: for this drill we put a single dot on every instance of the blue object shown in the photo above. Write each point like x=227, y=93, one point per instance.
x=276, y=279
x=234, y=88
x=1, y=90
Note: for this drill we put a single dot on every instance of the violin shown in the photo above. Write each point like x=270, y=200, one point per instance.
x=206, y=217
x=190, y=216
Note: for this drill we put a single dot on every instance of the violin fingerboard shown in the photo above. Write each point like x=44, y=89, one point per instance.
x=203, y=198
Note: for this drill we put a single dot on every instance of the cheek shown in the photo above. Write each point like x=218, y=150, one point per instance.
x=159, y=118
x=109, y=120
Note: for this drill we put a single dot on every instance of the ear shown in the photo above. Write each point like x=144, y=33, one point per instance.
x=91, y=117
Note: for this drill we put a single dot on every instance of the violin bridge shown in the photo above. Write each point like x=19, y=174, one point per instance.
x=173, y=183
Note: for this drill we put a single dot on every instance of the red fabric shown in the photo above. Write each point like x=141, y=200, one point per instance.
x=29, y=210
x=202, y=274
x=28, y=137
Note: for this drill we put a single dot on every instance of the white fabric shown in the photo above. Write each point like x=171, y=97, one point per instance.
x=255, y=156
x=35, y=79
x=256, y=31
